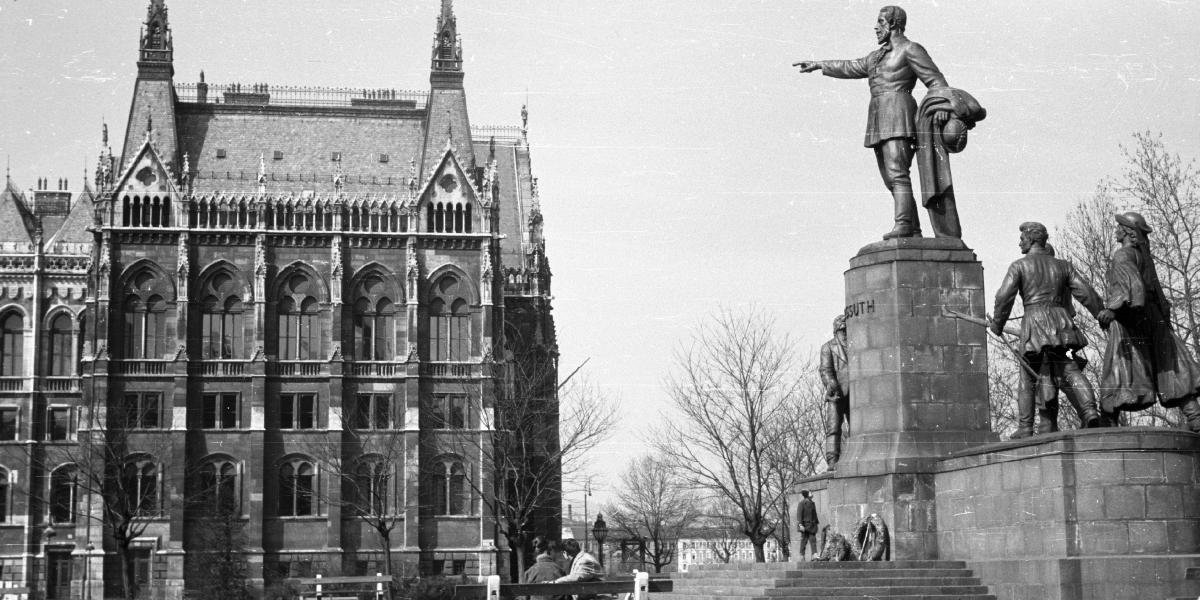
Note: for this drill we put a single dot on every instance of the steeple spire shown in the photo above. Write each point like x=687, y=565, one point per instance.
x=157, y=48
x=447, y=48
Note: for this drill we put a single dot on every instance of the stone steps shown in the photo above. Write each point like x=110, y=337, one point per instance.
x=899, y=580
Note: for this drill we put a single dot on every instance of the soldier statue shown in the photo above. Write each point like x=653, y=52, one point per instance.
x=1145, y=360
x=836, y=378
x=1046, y=285
x=897, y=129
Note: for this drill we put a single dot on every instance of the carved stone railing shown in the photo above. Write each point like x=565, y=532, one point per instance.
x=60, y=384
x=13, y=384
x=264, y=95
x=375, y=369
x=140, y=367
x=297, y=368
x=450, y=370
x=228, y=368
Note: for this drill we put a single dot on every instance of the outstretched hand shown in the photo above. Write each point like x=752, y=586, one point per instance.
x=807, y=66
x=1105, y=317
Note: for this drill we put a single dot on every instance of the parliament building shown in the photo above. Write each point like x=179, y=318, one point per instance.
x=289, y=313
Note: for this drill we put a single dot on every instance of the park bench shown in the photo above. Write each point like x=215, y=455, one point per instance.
x=350, y=587
x=639, y=588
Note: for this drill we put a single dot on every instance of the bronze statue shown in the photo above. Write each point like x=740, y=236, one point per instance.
x=894, y=123
x=1145, y=360
x=1046, y=285
x=836, y=377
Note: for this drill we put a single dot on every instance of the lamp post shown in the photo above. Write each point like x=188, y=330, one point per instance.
x=600, y=532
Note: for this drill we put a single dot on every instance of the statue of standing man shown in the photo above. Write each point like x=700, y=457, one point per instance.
x=895, y=125
x=835, y=375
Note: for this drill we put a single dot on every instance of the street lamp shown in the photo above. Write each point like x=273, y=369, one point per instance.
x=47, y=534
x=600, y=532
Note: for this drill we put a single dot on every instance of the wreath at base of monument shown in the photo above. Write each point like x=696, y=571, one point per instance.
x=835, y=547
x=870, y=540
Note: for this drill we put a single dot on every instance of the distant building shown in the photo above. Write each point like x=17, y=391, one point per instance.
x=717, y=547
x=262, y=270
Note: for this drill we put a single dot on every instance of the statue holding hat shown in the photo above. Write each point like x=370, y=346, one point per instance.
x=1145, y=361
x=898, y=131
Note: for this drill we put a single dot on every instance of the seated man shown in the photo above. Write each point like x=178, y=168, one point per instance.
x=584, y=567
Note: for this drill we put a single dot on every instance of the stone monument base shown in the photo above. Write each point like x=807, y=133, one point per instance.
x=1105, y=514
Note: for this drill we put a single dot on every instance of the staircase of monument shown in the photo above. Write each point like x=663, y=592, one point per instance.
x=894, y=580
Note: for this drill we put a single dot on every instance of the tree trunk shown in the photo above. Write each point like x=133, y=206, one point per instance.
x=128, y=591
x=385, y=536
x=759, y=555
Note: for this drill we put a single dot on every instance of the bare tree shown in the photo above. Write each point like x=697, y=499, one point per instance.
x=368, y=461
x=653, y=505
x=537, y=433
x=116, y=468
x=802, y=453
x=732, y=387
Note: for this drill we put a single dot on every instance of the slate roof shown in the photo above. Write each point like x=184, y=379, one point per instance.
x=74, y=229
x=16, y=222
x=512, y=170
x=307, y=139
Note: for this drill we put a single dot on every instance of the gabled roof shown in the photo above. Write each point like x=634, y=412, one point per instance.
x=16, y=222
x=74, y=229
x=449, y=159
x=147, y=157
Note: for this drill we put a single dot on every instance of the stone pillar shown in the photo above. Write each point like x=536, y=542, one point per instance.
x=918, y=384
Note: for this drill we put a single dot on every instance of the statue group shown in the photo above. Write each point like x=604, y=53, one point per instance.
x=1145, y=361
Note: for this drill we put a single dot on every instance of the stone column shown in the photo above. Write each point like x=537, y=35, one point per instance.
x=918, y=384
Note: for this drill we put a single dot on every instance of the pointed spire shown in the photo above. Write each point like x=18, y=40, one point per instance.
x=447, y=49
x=157, y=47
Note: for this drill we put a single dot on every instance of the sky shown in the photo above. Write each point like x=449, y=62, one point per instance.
x=683, y=163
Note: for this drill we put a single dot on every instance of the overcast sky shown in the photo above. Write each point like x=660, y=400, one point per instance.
x=683, y=163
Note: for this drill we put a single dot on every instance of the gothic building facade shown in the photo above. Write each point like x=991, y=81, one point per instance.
x=295, y=309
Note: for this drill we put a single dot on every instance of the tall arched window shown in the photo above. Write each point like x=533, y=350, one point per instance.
x=371, y=486
x=297, y=488
x=449, y=321
x=64, y=494
x=139, y=486
x=145, y=316
x=60, y=350
x=219, y=487
x=374, y=320
x=221, y=328
x=450, y=493
x=299, y=334
x=12, y=345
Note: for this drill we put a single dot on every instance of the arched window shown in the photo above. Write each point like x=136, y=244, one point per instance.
x=371, y=486
x=139, y=486
x=4, y=496
x=449, y=321
x=12, y=345
x=64, y=494
x=297, y=488
x=374, y=320
x=219, y=487
x=221, y=326
x=145, y=316
x=450, y=493
x=59, y=361
x=299, y=334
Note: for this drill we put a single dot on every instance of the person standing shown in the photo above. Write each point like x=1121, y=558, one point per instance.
x=836, y=377
x=806, y=517
x=1145, y=360
x=1046, y=286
